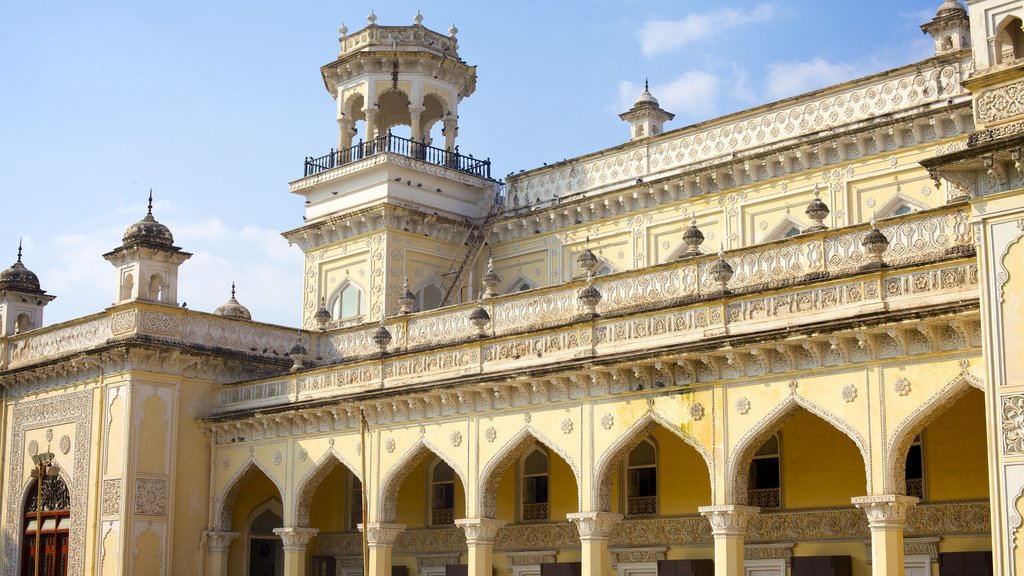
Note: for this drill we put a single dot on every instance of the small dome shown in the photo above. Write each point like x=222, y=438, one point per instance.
x=19, y=278
x=148, y=230
x=646, y=98
x=232, y=309
x=950, y=7
x=479, y=314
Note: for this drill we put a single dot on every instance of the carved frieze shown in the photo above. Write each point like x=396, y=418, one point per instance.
x=999, y=104
x=151, y=496
x=111, y=505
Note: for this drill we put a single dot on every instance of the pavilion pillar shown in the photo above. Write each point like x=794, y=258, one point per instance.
x=218, y=544
x=380, y=538
x=729, y=528
x=480, y=534
x=887, y=516
x=595, y=528
x=295, y=540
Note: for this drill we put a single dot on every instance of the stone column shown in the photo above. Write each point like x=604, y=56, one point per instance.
x=380, y=538
x=729, y=527
x=345, y=126
x=480, y=534
x=451, y=130
x=887, y=515
x=295, y=541
x=414, y=122
x=218, y=544
x=594, y=529
x=371, y=123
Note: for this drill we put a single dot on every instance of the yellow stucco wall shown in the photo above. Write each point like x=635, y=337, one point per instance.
x=820, y=466
x=956, y=467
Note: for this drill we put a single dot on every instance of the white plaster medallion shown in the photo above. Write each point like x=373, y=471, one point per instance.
x=607, y=421
x=277, y=457
x=65, y=444
x=567, y=426
x=901, y=386
x=33, y=447
x=743, y=405
x=389, y=445
x=456, y=438
x=696, y=411
x=849, y=393
x=490, y=434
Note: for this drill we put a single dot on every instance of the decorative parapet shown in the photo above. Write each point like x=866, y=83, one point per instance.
x=782, y=285
x=928, y=82
x=155, y=323
x=399, y=38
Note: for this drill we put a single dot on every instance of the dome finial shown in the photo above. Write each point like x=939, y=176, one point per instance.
x=418, y=18
x=150, y=207
x=19, y=249
x=647, y=85
x=232, y=289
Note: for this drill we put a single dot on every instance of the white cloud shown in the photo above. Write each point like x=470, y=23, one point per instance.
x=659, y=36
x=692, y=96
x=791, y=78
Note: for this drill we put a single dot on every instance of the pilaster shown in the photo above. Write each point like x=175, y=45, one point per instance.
x=595, y=528
x=380, y=538
x=729, y=528
x=295, y=540
x=218, y=544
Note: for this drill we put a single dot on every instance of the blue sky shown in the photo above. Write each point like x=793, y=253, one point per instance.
x=215, y=104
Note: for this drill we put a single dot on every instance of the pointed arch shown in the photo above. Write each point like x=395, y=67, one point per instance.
x=307, y=485
x=429, y=295
x=784, y=229
x=347, y=301
x=894, y=206
x=353, y=106
x=1009, y=40
x=898, y=444
x=519, y=284
x=520, y=444
x=626, y=442
x=679, y=251
x=743, y=452
x=423, y=449
x=226, y=502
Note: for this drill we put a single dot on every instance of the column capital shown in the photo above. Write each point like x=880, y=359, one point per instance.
x=885, y=511
x=594, y=525
x=380, y=534
x=218, y=541
x=728, y=519
x=480, y=530
x=296, y=538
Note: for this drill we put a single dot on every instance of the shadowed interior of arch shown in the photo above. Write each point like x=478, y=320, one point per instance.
x=251, y=490
x=530, y=483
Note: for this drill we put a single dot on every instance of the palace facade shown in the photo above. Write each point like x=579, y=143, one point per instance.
x=783, y=342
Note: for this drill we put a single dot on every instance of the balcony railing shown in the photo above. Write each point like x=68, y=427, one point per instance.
x=442, y=516
x=915, y=487
x=765, y=497
x=533, y=512
x=642, y=505
x=403, y=147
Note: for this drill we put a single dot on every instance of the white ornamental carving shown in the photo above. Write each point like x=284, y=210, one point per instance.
x=567, y=426
x=389, y=445
x=277, y=457
x=696, y=411
x=491, y=434
x=456, y=438
x=901, y=386
x=743, y=405
x=151, y=496
x=607, y=421
x=33, y=447
x=849, y=393
x=1013, y=424
x=49, y=435
x=65, y=444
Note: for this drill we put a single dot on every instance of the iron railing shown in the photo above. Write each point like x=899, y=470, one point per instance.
x=642, y=505
x=403, y=147
x=442, y=517
x=535, y=511
x=915, y=487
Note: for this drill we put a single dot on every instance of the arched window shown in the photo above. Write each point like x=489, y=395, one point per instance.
x=535, y=486
x=793, y=231
x=266, y=551
x=355, y=502
x=442, y=494
x=156, y=288
x=765, y=485
x=127, y=284
x=901, y=210
x=1009, y=40
x=22, y=323
x=56, y=521
x=915, y=469
x=642, y=480
x=347, y=302
x=428, y=297
x=520, y=285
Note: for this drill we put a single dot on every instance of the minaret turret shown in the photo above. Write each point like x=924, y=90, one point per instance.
x=147, y=262
x=950, y=28
x=646, y=118
x=21, y=299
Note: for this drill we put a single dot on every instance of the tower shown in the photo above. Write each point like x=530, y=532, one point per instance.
x=950, y=28
x=395, y=202
x=146, y=263
x=21, y=299
x=646, y=118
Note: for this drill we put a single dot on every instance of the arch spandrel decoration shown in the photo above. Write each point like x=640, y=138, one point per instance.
x=743, y=451
x=630, y=439
x=391, y=482
x=72, y=408
x=225, y=503
x=898, y=443
x=307, y=485
x=520, y=444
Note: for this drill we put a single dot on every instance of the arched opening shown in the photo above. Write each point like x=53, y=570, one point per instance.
x=242, y=508
x=802, y=437
x=266, y=552
x=1009, y=40
x=428, y=297
x=347, y=303
x=520, y=285
x=947, y=43
x=127, y=285
x=442, y=494
x=433, y=112
x=54, y=511
x=22, y=323
x=155, y=289
x=407, y=494
x=393, y=111
x=642, y=479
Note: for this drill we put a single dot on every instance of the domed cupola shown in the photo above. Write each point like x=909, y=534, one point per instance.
x=232, y=309
x=17, y=278
x=950, y=28
x=646, y=118
x=21, y=299
x=147, y=262
x=148, y=231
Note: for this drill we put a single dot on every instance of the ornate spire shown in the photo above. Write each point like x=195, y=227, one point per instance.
x=19, y=249
x=232, y=289
x=149, y=208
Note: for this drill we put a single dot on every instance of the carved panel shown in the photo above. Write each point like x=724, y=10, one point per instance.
x=1000, y=104
x=111, y=497
x=151, y=496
